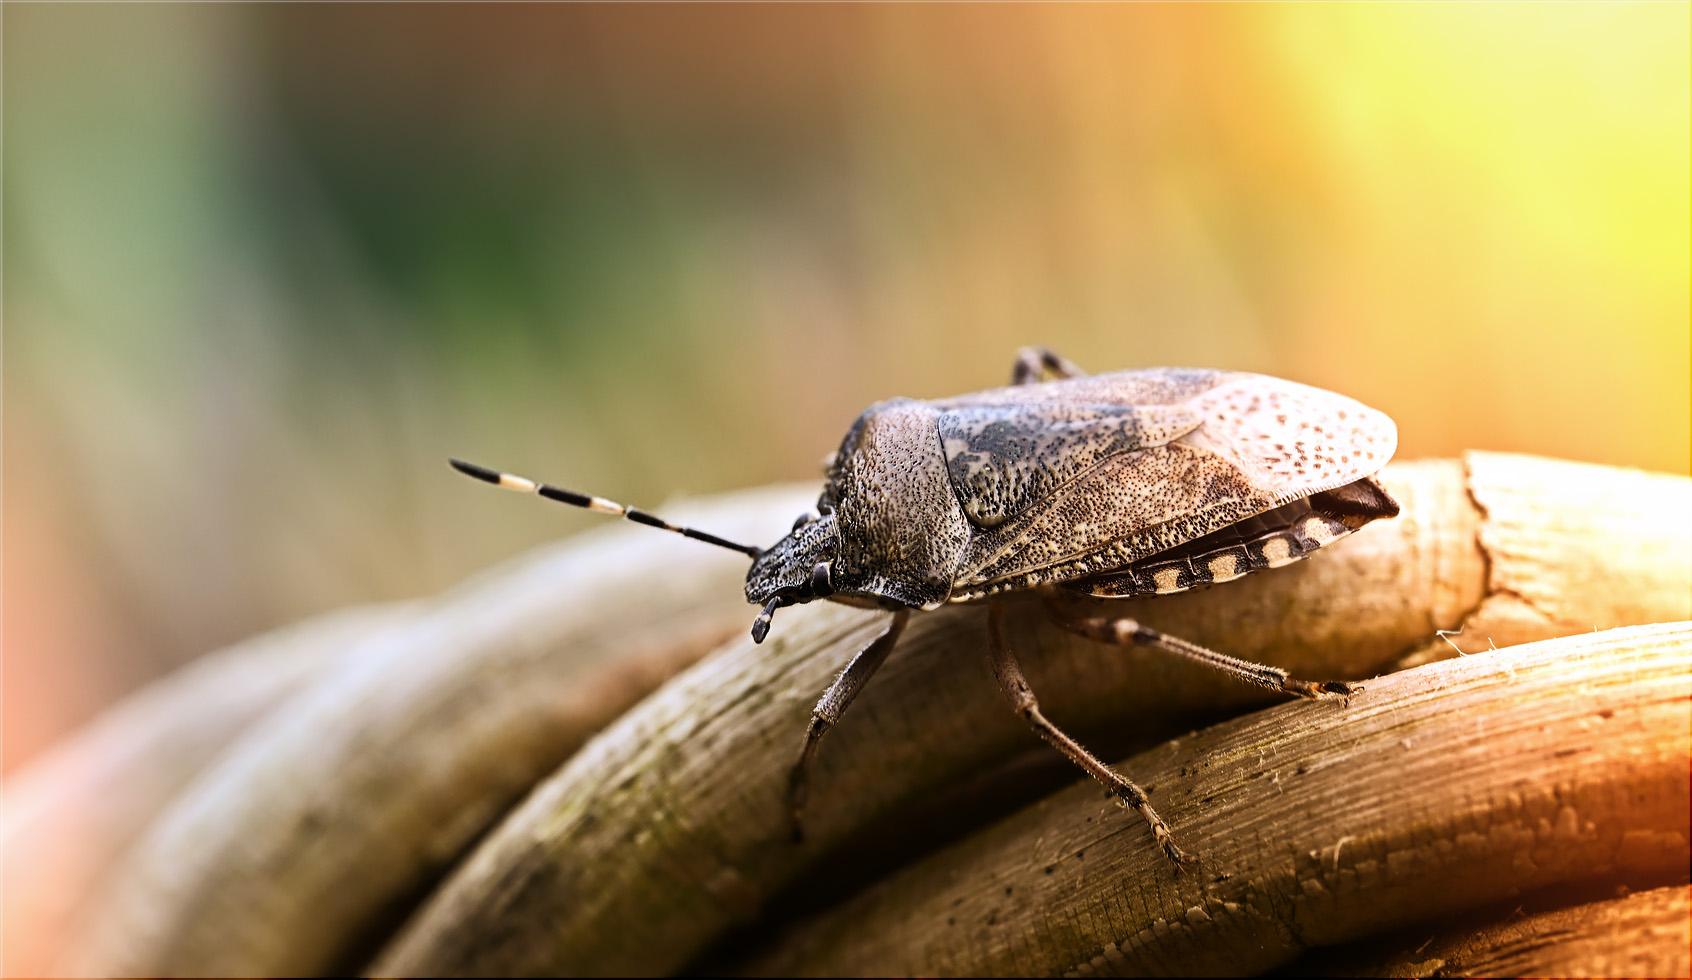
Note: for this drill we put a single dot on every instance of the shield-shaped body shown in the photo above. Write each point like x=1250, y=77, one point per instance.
x=1117, y=484
x=1135, y=482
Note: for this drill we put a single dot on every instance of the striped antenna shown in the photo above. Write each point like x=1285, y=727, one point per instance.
x=574, y=499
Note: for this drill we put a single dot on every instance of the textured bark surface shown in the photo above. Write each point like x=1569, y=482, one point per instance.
x=72, y=813
x=1443, y=788
x=328, y=823
x=668, y=829
x=1645, y=934
x=307, y=833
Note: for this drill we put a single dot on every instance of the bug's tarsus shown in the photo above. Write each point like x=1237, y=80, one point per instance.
x=588, y=502
x=1316, y=690
x=1122, y=631
x=1031, y=361
x=1009, y=674
x=798, y=781
x=830, y=707
x=1341, y=688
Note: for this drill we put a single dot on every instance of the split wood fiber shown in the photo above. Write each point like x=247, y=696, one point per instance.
x=332, y=816
x=669, y=828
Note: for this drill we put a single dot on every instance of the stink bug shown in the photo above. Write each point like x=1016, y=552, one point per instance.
x=1113, y=485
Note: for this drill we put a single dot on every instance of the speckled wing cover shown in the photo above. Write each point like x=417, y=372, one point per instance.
x=1081, y=478
x=1003, y=459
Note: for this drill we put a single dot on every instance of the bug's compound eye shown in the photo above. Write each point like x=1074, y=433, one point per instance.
x=802, y=520
x=822, y=584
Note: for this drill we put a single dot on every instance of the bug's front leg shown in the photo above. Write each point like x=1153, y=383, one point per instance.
x=833, y=704
x=1123, y=631
x=1008, y=672
x=1031, y=361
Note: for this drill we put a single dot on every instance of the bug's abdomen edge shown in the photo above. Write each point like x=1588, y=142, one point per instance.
x=1277, y=537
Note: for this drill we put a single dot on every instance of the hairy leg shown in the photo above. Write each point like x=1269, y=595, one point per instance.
x=1123, y=631
x=1009, y=674
x=833, y=704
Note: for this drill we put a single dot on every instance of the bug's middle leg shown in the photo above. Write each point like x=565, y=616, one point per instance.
x=1008, y=672
x=1031, y=361
x=1123, y=631
x=832, y=705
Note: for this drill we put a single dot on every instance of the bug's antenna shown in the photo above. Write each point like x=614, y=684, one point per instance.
x=586, y=502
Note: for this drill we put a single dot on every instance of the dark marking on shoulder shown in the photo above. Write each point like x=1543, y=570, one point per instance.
x=1002, y=459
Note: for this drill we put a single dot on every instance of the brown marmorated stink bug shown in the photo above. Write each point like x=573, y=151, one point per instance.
x=1132, y=483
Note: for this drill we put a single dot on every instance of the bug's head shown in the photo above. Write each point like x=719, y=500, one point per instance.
x=888, y=530
x=798, y=568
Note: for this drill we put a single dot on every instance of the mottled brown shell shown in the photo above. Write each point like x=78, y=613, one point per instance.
x=1094, y=474
x=1081, y=482
x=1004, y=459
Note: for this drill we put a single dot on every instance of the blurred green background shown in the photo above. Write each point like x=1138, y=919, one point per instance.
x=266, y=266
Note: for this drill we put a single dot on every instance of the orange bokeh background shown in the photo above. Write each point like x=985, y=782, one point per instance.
x=266, y=266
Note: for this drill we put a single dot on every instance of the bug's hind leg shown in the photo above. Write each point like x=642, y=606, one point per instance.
x=1009, y=674
x=1031, y=361
x=1123, y=631
x=833, y=704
